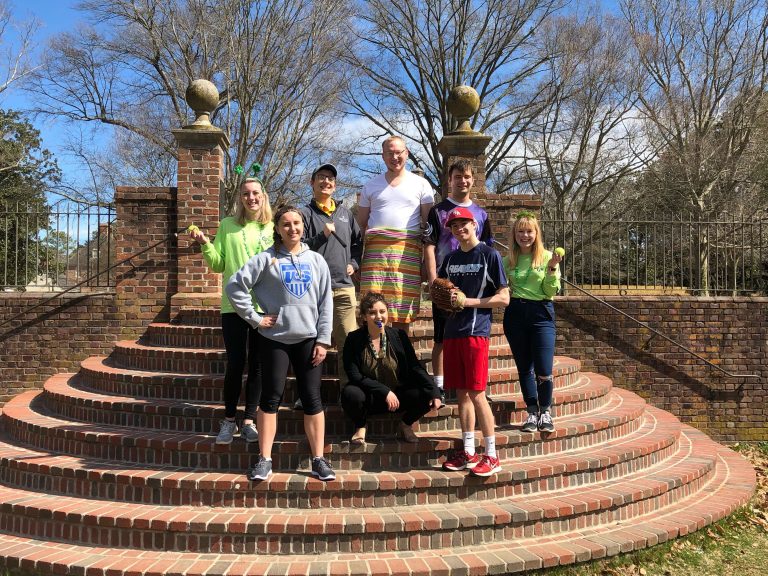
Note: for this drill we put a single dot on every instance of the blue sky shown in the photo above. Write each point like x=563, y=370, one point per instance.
x=54, y=16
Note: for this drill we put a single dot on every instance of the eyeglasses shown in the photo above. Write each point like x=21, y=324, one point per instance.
x=323, y=177
x=394, y=153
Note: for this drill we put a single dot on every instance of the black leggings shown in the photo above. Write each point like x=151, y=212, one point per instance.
x=275, y=357
x=358, y=405
x=239, y=336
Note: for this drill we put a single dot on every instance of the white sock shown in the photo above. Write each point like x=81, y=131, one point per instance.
x=469, y=443
x=490, y=446
x=439, y=382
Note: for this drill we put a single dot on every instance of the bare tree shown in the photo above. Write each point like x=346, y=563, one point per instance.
x=16, y=40
x=586, y=142
x=705, y=65
x=276, y=63
x=411, y=53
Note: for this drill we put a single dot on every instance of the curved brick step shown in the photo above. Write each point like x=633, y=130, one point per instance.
x=211, y=316
x=638, y=447
x=175, y=335
x=24, y=419
x=65, y=396
x=138, y=356
x=100, y=373
x=605, y=440
x=395, y=529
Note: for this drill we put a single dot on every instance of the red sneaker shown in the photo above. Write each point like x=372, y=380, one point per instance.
x=487, y=466
x=461, y=460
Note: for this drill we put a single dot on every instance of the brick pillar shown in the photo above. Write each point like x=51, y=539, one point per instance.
x=144, y=217
x=200, y=176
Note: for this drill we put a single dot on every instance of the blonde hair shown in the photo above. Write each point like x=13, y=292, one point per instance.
x=264, y=214
x=537, y=250
x=389, y=139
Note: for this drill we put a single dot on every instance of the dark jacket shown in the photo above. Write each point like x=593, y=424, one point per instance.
x=336, y=255
x=410, y=372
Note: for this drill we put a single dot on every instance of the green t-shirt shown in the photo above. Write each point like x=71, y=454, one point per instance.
x=532, y=283
x=233, y=246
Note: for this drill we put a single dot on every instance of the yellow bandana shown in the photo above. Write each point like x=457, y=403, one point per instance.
x=328, y=211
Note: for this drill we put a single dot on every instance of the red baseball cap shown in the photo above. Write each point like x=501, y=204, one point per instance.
x=458, y=213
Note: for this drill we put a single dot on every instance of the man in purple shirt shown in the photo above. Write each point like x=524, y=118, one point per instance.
x=439, y=242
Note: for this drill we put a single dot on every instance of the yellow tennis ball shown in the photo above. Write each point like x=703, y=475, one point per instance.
x=560, y=251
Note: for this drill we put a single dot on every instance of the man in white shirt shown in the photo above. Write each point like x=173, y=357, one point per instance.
x=393, y=209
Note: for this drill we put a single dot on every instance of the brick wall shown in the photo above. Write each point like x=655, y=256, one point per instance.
x=52, y=338
x=731, y=332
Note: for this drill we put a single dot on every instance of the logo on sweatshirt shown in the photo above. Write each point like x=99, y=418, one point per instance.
x=296, y=279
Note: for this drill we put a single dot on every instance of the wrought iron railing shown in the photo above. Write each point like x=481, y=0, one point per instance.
x=672, y=255
x=51, y=248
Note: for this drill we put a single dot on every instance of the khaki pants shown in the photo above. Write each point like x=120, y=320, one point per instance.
x=344, y=322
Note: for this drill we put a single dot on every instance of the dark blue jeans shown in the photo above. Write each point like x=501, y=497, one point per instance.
x=529, y=326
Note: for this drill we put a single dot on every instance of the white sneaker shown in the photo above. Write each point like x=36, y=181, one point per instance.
x=227, y=431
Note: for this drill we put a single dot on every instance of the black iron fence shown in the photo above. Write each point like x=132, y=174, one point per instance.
x=664, y=256
x=50, y=248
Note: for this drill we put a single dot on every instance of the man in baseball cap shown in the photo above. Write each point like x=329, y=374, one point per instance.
x=331, y=230
x=476, y=269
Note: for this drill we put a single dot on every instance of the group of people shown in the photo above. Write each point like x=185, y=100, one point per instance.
x=289, y=291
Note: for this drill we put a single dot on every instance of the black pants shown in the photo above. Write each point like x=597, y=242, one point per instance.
x=358, y=404
x=275, y=358
x=239, y=337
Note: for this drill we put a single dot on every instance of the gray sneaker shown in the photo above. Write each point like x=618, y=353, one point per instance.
x=261, y=470
x=227, y=431
x=545, y=422
x=321, y=469
x=249, y=433
x=531, y=423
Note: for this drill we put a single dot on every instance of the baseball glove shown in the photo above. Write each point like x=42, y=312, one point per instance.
x=441, y=293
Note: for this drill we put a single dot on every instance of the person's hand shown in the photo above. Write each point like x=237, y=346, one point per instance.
x=319, y=353
x=268, y=320
x=557, y=256
x=197, y=235
x=350, y=270
x=392, y=402
x=329, y=229
x=435, y=404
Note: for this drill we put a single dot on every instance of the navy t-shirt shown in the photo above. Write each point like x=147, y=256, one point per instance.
x=478, y=273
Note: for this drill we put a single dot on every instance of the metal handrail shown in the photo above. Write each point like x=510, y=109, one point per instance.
x=170, y=236
x=646, y=326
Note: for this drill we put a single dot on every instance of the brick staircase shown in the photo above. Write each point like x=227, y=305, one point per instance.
x=113, y=471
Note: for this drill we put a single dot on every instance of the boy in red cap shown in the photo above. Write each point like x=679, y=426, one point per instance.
x=476, y=269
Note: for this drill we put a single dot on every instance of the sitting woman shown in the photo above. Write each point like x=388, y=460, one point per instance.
x=384, y=374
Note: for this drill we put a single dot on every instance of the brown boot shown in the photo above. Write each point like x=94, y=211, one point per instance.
x=406, y=433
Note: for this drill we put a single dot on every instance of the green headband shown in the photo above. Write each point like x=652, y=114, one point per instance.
x=255, y=169
x=526, y=214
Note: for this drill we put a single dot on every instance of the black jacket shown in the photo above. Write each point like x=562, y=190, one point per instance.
x=409, y=370
x=330, y=248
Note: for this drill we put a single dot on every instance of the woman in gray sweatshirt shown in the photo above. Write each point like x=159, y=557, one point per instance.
x=293, y=286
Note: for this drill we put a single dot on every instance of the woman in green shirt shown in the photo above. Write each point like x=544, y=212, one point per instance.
x=529, y=320
x=238, y=239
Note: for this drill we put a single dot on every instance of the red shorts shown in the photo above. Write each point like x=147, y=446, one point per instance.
x=465, y=363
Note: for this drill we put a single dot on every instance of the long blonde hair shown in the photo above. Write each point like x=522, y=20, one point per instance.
x=525, y=219
x=264, y=215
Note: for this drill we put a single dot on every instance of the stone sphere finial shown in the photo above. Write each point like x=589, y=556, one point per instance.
x=463, y=103
x=203, y=97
